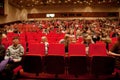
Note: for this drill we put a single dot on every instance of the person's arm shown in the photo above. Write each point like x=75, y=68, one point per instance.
x=7, y=54
x=113, y=50
x=61, y=41
x=21, y=51
x=113, y=54
x=16, y=60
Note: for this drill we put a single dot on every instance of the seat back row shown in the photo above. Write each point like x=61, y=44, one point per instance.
x=76, y=62
x=73, y=49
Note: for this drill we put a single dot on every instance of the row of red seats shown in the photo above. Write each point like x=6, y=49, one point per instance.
x=6, y=43
x=73, y=49
x=27, y=27
x=75, y=63
x=38, y=35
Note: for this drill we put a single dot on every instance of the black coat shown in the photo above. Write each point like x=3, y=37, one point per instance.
x=2, y=52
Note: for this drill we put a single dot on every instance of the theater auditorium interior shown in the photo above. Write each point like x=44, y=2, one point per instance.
x=60, y=39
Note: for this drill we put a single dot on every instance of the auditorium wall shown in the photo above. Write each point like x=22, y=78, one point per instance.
x=14, y=14
x=55, y=9
x=11, y=14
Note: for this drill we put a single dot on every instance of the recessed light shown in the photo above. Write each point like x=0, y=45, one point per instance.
x=65, y=1
x=41, y=2
x=109, y=0
x=59, y=1
x=91, y=1
x=74, y=2
x=28, y=4
x=103, y=0
x=78, y=1
x=99, y=2
x=21, y=1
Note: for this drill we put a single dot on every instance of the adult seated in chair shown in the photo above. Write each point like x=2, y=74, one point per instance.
x=66, y=41
x=44, y=40
x=12, y=58
x=115, y=52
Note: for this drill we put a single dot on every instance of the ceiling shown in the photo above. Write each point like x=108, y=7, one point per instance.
x=38, y=3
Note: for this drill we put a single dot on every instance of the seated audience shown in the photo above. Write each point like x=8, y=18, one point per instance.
x=96, y=37
x=45, y=41
x=87, y=41
x=115, y=33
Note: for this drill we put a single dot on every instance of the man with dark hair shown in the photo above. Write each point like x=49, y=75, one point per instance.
x=13, y=58
x=15, y=51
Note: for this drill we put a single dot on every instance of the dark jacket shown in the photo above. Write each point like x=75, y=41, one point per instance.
x=2, y=52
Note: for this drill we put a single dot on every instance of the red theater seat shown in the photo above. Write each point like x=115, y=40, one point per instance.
x=77, y=59
x=76, y=50
x=101, y=64
x=54, y=62
x=36, y=48
x=110, y=45
x=56, y=49
x=97, y=50
x=32, y=64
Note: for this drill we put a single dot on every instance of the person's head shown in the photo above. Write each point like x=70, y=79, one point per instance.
x=71, y=32
x=88, y=39
x=78, y=32
x=73, y=39
x=15, y=41
x=44, y=39
x=67, y=37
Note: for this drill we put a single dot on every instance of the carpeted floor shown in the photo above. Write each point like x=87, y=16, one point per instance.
x=65, y=76
x=45, y=76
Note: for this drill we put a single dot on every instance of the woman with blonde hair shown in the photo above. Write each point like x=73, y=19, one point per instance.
x=44, y=40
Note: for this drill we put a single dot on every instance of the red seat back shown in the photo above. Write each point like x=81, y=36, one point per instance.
x=76, y=50
x=97, y=50
x=56, y=49
x=36, y=48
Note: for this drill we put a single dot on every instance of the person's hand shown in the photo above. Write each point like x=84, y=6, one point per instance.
x=15, y=60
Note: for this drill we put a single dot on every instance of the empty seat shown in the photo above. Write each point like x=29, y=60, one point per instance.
x=76, y=50
x=32, y=64
x=77, y=59
x=36, y=48
x=101, y=64
x=97, y=50
x=54, y=61
x=56, y=49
